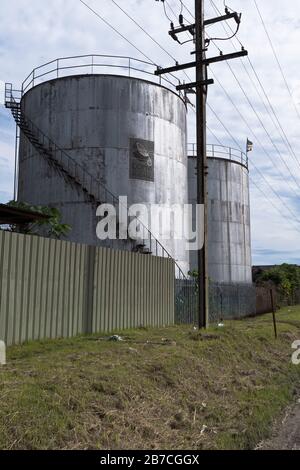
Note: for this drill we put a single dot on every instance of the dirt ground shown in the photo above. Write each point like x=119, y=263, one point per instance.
x=286, y=432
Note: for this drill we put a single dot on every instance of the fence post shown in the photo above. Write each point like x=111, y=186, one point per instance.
x=89, y=275
x=221, y=299
x=2, y=353
x=273, y=312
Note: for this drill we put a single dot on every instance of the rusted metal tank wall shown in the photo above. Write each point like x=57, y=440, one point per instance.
x=229, y=238
x=100, y=120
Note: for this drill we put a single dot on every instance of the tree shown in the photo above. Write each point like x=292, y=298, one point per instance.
x=286, y=278
x=53, y=226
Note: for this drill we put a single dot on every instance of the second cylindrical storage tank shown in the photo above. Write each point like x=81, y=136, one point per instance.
x=108, y=124
x=229, y=239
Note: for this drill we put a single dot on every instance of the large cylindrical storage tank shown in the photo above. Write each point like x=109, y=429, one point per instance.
x=229, y=239
x=100, y=121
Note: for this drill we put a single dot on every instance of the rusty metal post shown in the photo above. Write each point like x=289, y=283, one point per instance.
x=273, y=312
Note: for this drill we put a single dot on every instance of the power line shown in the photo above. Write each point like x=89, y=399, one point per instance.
x=251, y=131
x=143, y=29
x=123, y=37
x=285, y=138
x=187, y=9
x=150, y=36
x=294, y=217
x=277, y=59
x=270, y=200
x=262, y=124
x=175, y=15
x=166, y=14
x=234, y=140
x=214, y=135
x=116, y=31
x=257, y=169
x=232, y=31
x=251, y=179
x=148, y=58
x=277, y=124
x=165, y=2
x=260, y=121
x=257, y=115
x=238, y=145
x=226, y=129
x=263, y=177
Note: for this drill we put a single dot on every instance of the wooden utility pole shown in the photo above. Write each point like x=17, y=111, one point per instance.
x=201, y=63
x=201, y=93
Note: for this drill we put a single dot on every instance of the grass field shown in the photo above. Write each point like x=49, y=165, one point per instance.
x=172, y=388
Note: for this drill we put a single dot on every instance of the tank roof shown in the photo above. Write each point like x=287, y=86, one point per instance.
x=91, y=65
x=220, y=152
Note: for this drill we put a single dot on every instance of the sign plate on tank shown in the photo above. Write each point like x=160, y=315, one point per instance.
x=141, y=160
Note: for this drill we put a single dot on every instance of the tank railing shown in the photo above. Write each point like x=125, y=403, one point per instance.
x=10, y=95
x=68, y=167
x=220, y=151
x=55, y=67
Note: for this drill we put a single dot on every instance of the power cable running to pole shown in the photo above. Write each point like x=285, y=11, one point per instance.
x=281, y=130
x=277, y=59
x=256, y=138
x=285, y=138
x=295, y=217
x=132, y=43
x=132, y=19
x=283, y=215
x=124, y=37
x=187, y=9
x=115, y=30
x=157, y=43
x=262, y=124
x=273, y=116
x=143, y=29
x=146, y=32
x=214, y=135
x=224, y=126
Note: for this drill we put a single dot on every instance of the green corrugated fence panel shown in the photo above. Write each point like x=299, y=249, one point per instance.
x=41, y=288
x=131, y=290
x=52, y=289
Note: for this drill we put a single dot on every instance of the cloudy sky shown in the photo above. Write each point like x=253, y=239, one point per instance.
x=34, y=32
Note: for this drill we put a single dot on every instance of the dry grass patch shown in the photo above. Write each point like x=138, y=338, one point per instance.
x=172, y=388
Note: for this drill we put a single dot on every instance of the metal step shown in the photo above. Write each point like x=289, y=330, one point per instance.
x=146, y=252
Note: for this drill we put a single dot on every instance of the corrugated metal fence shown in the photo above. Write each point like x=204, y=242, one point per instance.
x=52, y=289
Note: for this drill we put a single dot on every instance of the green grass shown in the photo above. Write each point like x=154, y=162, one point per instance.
x=172, y=388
